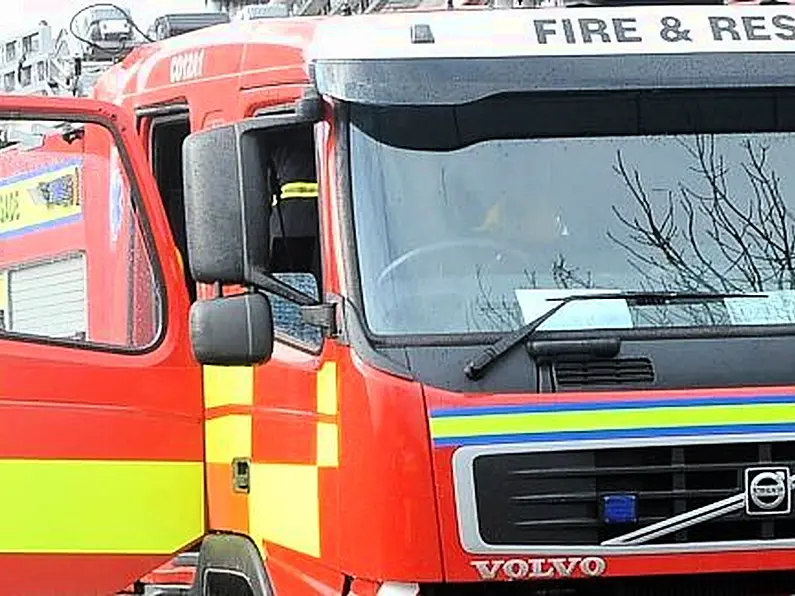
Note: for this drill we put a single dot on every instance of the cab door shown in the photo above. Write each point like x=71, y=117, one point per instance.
x=101, y=440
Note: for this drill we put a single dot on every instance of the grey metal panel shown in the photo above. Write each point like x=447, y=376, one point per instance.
x=446, y=81
x=49, y=299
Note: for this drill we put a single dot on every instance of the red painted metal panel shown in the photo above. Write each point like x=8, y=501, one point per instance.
x=229, y=509
x=294, y=573
x=295, y=441
x=72, y=575
x=388, y=521
x=48, y=430
x=330, y=530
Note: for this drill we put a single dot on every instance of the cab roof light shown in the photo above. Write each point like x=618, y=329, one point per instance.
x=171, y=25
x=421, y=33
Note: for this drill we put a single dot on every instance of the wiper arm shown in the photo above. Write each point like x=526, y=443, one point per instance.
x=475, y=367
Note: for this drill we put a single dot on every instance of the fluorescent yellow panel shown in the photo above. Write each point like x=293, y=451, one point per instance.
x=284, y=506
x=100, y=507
x=228, y=437
x=327, y=389
x=327, y=445
x=228, y=385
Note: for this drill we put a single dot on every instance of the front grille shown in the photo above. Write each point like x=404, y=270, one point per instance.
x=553, y=498
x=729, y=584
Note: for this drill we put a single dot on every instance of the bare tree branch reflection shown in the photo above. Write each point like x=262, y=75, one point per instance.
x=567, y=276
x=706, y=236
x=710, y=237
x=489, y=311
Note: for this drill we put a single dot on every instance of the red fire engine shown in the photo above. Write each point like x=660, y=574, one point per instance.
x=530, y=333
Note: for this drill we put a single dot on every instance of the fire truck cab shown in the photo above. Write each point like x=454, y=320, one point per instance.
x=465, y=301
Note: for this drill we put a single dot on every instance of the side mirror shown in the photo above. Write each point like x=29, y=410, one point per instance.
x=227, y=214
x=226, y=205
x=232, y=331
x=228, y=198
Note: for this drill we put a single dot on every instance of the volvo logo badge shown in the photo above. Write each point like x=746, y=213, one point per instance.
x=768, y=491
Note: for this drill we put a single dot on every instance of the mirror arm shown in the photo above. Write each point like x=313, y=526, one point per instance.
x=323, y=316
x=269, y=284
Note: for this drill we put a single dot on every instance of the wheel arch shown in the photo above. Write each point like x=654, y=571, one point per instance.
x=227, y=560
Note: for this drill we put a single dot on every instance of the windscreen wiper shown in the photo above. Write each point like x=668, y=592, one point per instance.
x=475, y=367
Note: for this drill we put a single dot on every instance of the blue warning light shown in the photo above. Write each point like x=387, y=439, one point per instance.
x=619, y=509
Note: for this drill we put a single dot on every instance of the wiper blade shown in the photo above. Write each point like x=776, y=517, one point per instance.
x=474, y=368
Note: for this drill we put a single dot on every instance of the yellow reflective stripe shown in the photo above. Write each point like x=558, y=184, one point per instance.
x=228, y=385
x=227, y=437
x=100, y=507
x=327, y=456
x=285, y=506
x=327, y=432
x=327, y=389
x=299, y=190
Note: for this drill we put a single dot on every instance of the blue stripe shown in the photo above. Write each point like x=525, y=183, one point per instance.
x=77, y=161
x=630, y=433
x=612, y=405
x=42, y=226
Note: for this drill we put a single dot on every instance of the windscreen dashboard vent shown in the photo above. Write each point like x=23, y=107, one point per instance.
x=602, y=372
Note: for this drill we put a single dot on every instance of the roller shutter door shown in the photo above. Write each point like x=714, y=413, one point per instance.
x=49, y=299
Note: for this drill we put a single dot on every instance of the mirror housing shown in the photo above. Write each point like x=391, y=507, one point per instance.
x=228, y=198
x=232, y=330
x=226, y=206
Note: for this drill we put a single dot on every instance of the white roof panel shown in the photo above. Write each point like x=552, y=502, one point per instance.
x=560, y=32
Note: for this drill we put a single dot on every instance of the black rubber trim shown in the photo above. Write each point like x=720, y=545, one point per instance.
x=233, y=554
x=180, y=108
x=382, y=359
x=438, y=81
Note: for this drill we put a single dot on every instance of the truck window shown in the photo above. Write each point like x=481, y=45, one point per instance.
x=472, y=218
x=168, y=133
x=74, y=262
x=294, y=228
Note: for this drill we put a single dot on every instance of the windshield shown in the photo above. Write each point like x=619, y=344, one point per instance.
x=475, y=218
